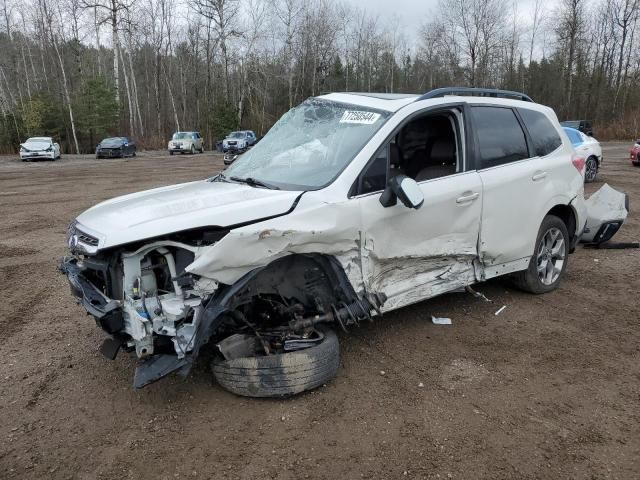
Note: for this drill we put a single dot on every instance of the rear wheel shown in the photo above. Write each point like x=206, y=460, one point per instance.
x=591, y=170
x=283, y=374
x=549, y=260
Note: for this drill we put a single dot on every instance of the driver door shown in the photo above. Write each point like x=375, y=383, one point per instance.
x=411, y=255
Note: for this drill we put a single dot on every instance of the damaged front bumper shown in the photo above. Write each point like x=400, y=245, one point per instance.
x=108, y=313
x=151, y=335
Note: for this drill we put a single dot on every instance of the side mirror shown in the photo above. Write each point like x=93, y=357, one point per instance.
x=404, y=188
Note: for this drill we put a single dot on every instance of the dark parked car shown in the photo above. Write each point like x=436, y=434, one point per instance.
x=583, y=125
x=116, y=147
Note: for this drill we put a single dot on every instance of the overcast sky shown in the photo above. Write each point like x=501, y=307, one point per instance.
x=413, y=13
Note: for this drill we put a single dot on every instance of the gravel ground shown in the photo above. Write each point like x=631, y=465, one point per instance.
x=550, y=388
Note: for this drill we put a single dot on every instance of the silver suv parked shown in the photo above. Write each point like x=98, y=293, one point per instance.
x=186, y=142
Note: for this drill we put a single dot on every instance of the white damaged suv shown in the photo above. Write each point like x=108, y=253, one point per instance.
x=352, y=205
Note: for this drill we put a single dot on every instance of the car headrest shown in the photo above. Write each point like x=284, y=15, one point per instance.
x=443, y=152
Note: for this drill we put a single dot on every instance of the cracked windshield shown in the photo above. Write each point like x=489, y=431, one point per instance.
x=309, y=146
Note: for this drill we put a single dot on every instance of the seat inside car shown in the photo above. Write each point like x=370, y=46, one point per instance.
x=426, y=148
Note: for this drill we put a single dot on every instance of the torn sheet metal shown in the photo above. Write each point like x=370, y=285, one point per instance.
x=607, y=209
x=327, y=229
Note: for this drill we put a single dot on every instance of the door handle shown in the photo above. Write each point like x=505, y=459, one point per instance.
x=539, y=175
x=467, y=197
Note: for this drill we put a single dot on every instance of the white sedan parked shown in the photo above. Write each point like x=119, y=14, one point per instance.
x=36, y=148
x=589, y=149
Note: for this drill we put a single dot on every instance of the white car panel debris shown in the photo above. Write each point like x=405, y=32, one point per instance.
x=440, y=320
x=352, y=205
x=607, y=209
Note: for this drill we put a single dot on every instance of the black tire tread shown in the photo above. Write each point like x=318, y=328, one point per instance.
x=283, y=374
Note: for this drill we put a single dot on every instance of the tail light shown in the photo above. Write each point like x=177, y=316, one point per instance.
x=579, y=163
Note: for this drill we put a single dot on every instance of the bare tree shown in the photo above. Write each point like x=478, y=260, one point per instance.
x=111, y=12
x=48, y=16
x=289, y=12
x=223, y=14
x=570, y=26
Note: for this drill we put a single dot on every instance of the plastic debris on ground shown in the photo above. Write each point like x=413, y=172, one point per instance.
x=607, y=209
x=500, y=310
x=477, y=294
x=440, y=320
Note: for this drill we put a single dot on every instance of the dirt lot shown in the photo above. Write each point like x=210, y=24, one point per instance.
x=550, y=388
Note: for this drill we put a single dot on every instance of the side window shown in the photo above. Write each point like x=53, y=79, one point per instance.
x=543, y=134
x=500, y=137
x=574, y=136
x=374, y=177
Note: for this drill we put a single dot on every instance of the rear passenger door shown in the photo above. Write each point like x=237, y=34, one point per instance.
x=510, y=183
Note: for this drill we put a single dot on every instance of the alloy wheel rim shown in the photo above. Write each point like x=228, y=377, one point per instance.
x=591, y=170
x=550, y=256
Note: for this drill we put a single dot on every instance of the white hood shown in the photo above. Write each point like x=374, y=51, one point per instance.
x=175, y=208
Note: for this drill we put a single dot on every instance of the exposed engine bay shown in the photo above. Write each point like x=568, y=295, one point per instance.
x=151, y=305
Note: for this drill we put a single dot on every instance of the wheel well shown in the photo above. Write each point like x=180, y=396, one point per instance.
x=296, y=284
x=566, y=214
x=308, y=278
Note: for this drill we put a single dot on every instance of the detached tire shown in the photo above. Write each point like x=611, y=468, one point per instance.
x=549, y=260
x=283, y=374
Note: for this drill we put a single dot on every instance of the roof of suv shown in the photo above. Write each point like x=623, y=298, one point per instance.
x=393, y=102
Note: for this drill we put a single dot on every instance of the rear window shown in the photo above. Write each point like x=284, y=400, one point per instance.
x=574, y=136
x=543, y=134
x=500, y=137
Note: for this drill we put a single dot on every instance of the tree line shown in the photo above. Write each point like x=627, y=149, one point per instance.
x=80, y=70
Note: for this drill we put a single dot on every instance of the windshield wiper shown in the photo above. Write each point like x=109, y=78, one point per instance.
x=220, y=178
x=252, y=182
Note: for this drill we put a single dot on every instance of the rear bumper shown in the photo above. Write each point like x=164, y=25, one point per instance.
x=607, y=211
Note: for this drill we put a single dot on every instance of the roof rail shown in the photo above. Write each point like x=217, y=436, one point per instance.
x=475, y=92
